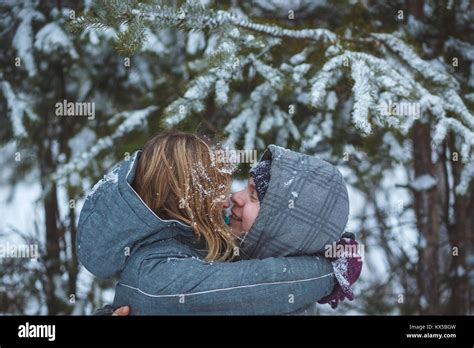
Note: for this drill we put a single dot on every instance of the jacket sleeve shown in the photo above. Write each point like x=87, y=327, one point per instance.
x=248, y=287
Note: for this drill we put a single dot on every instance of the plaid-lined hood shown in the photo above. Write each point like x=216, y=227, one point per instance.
x=306, y=207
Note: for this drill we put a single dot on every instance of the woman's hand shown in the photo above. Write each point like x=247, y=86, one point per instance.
x=121, y=311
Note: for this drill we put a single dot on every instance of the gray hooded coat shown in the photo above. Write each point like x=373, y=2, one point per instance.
x=160, y=263
x=306, y=207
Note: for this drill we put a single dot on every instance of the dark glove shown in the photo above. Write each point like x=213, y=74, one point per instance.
x=347, y=268
x=106, y=310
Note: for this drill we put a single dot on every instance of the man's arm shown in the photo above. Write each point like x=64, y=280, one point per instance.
x=248, y=287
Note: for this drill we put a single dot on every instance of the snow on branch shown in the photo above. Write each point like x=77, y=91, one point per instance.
x=455, y=104
x=272, y=75
x=24, y=36
x=191, y=15
x=17, y=107
x=236, y=127
x=217, y=79
x=133, y=120
x=273, y=30
x=324, y=77
x=51, y=38
x=193, y=99
x=466, y=49
x=426, y=69
x=387, y=75
x=466, y=177
x=457, y=127
x=363, y=98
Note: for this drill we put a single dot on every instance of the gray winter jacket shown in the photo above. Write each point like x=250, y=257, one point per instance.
x=160, y=263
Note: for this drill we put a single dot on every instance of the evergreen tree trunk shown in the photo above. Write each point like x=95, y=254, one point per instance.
x=73, y=266
x=52, y=257
x=461, y=238
x=428, y=213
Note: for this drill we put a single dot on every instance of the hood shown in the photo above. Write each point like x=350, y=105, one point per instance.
x=114, y=222
x=305, y=208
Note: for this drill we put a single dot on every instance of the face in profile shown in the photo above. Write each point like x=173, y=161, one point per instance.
x=245, y=209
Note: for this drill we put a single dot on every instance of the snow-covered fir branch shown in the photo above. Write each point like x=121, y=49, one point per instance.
x=428, y=71
x=18, y=107
x=363, y=99
x=324, y=77
x=192, y=15
x=132, y=120
x=273, y=30
x=23, y=39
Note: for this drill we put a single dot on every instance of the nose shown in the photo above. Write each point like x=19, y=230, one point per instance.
x=236, y=199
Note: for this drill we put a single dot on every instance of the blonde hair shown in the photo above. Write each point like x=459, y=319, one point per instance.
x=178, y=178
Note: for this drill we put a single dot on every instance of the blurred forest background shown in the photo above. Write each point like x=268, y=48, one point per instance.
x=313, y=76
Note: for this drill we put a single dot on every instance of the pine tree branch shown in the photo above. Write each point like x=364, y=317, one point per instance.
x=189, y=16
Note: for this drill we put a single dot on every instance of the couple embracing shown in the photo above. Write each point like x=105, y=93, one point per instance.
x=156, y=222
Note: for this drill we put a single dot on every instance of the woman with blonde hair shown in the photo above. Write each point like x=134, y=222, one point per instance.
x=155, y=221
